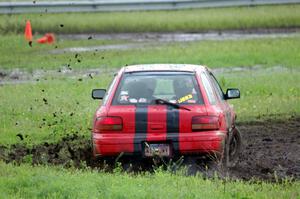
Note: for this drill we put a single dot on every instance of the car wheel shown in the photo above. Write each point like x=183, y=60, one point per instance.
x=232, y=149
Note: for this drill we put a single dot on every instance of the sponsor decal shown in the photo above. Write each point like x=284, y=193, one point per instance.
x=142, y=100
x=124, y=98
x=172, y=101
x=185, y=98
x=132, y=100
x=124, y=93
x=191, y=101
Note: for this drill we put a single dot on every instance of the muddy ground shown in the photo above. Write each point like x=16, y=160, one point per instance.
x=271, y=151
x=20, y=76
x=270, y=147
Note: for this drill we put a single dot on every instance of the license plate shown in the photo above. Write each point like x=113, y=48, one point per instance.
x=161, y=150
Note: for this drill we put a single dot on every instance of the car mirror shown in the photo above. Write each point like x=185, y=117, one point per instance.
x=98, y=93
x=232, y=93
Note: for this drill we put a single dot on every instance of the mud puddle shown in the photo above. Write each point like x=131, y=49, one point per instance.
x=144, y=40
x=19, y=76
x=181, y=37
x=271, y=151
x=126, y=46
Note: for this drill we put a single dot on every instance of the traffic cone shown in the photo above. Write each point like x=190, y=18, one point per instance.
x=50, y=38
x=47, y=38
x=28, y=31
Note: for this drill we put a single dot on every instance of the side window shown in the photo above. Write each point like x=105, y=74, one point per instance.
x=109, y=90
x=208, y=89
x=217, y=86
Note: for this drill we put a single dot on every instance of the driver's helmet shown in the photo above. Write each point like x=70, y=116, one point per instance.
x=182, y=87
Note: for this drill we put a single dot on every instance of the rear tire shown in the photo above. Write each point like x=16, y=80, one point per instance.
x=232, y=148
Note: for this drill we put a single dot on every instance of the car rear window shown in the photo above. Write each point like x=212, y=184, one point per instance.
x=145, y=87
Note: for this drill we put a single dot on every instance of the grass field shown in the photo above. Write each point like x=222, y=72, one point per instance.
x=58, y=107
x=54, y=182
x=250, y=52
x=194, y=20
x=55, y=106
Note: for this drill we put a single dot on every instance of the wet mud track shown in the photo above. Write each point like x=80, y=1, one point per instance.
x=271, y=151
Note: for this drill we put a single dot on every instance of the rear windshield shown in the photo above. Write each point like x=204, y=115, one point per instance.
x=145, y=87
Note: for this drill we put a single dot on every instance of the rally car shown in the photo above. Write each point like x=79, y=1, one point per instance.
x=165, y=110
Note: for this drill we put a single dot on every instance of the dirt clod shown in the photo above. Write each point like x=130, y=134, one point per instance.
x=45, y=101
x=20, y=136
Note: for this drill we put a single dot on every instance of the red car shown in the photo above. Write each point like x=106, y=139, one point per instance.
x=165, y=110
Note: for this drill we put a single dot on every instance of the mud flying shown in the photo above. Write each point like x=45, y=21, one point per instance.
x=271, y=151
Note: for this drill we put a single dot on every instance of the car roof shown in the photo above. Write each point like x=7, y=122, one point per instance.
x=164, y=67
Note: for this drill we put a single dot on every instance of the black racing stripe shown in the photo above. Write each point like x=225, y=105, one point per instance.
x=141, y=120
x=173, y=127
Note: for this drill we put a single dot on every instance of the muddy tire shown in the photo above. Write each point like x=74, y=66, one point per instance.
x=232, y=149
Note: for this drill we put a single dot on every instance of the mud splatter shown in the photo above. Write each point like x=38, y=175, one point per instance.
x=70, y=151
x=20, y=136
x=271, y=151
x=45, y=101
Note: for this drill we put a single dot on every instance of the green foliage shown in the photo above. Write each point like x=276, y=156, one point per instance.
x=191, y=20
x=27, y=159
x=55, y=182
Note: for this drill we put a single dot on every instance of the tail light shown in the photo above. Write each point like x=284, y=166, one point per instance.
x=108, y=124
x=201, y=123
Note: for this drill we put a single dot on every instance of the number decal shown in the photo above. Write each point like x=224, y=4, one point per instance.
x=185, y=98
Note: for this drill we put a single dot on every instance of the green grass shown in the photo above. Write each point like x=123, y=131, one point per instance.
x=265, y=94
x=54, y=182
x=194, y=20
x=16, y=52
x=69, y=100
x=250, y=52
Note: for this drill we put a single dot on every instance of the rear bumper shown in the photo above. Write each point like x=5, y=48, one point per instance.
x=113, y=144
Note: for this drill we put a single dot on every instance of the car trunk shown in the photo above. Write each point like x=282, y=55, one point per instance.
x=156, y=123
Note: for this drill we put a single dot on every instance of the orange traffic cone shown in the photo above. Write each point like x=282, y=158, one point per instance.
x=28, y=31
x=47, y=38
